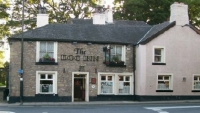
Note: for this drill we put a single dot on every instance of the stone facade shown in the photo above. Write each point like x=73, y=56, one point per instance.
x=64, y=67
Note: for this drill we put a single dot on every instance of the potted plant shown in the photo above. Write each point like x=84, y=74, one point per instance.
x=47, y=58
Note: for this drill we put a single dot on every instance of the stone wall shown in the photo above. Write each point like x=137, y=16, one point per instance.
x=64, y=78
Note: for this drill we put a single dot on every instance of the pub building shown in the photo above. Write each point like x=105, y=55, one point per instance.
x=97, y=59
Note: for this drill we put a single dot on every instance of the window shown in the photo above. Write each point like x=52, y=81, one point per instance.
x=107, y=84
x=196, y=85
x=164, y=82
x=159, y=55
x=124, y=84
x=46, y=82
x=46, y=51
x=115, y=83
x=115, y=55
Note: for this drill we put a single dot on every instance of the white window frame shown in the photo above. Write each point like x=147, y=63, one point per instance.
x=38, y=51
x=198, y=80
x=123, y=57
x=162, y=54
x=121, y=84
x=115, y=83
x=170, y=80
x=112, y=81
x=54, y=73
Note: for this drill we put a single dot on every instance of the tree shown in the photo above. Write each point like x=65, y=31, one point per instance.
x=154, y=11
x=4, y=30
x=59, y=11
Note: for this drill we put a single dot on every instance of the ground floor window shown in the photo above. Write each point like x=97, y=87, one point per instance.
x=124, y=84
x=115, y=83
x=196, y=82
x=164, y=82
x=107, y=84
x=46, y=82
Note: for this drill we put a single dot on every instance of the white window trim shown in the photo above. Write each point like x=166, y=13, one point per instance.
x=193, y=81
x=123, y=52
x=38, y=81
x=115, y=80
x=171, y=81
x=163, y=54
x=38, y=51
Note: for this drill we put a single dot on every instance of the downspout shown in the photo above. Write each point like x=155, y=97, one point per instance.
x=134, y=62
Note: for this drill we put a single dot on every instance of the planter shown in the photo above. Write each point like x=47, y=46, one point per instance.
x=115, y=64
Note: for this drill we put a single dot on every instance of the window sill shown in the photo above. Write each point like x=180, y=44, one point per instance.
x=158, y=63
x=45, y=94
x=46, y=63
x=114, y=64
x=164, y=90
x=198, y=90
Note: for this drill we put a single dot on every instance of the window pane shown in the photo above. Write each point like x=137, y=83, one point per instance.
x=106, y=87
x=43, y=46
x=128, y=78
x=50, y=76
x=126, y=83
x=118, y=50
x=103, y=77
x=166, y=77
x=160, y=77
x=157, y=58
x=121, y=78
x=195, y=78
x=42, y=76
x=109, y=78
x=46, y=86
x=157, y=51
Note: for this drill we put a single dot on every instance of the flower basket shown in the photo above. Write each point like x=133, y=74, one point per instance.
x=46, y=58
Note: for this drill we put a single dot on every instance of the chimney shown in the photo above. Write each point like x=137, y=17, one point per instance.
x=179, y=13
x=42, y=17
x=99, y=16
x=109, y=15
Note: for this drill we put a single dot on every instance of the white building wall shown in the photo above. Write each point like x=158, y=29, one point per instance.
x=182, y=60
x=140, y=77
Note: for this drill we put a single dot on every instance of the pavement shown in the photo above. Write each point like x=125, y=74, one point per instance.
x=96, y=103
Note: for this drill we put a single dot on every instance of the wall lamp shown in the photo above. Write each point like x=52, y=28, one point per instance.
x=74, y=43
x=89, y=43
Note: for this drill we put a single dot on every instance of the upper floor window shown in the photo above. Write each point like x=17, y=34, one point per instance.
x=46, y=52
x=159, y=55
x=115, y=55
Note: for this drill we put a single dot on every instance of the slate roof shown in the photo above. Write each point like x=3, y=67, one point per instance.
x=121, y=32
x=80, y=30
x=155, y=31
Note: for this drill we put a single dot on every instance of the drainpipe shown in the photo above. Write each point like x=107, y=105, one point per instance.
x=22, y=55
x=134, y=63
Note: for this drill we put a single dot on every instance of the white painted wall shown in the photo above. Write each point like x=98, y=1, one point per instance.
x=140, y=77
x=182, y=50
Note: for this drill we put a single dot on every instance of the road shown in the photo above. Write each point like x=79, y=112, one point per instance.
x=135, y=108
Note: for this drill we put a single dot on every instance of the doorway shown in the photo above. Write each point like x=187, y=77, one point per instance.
x=80, y=86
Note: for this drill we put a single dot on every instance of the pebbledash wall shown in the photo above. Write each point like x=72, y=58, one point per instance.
x=64, y=69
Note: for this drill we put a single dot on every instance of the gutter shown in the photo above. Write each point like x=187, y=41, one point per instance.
x=134, y=62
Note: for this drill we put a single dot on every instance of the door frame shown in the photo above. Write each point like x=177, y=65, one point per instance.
x=86, y=85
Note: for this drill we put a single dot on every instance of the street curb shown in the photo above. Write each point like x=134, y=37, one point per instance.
x=97, y=103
